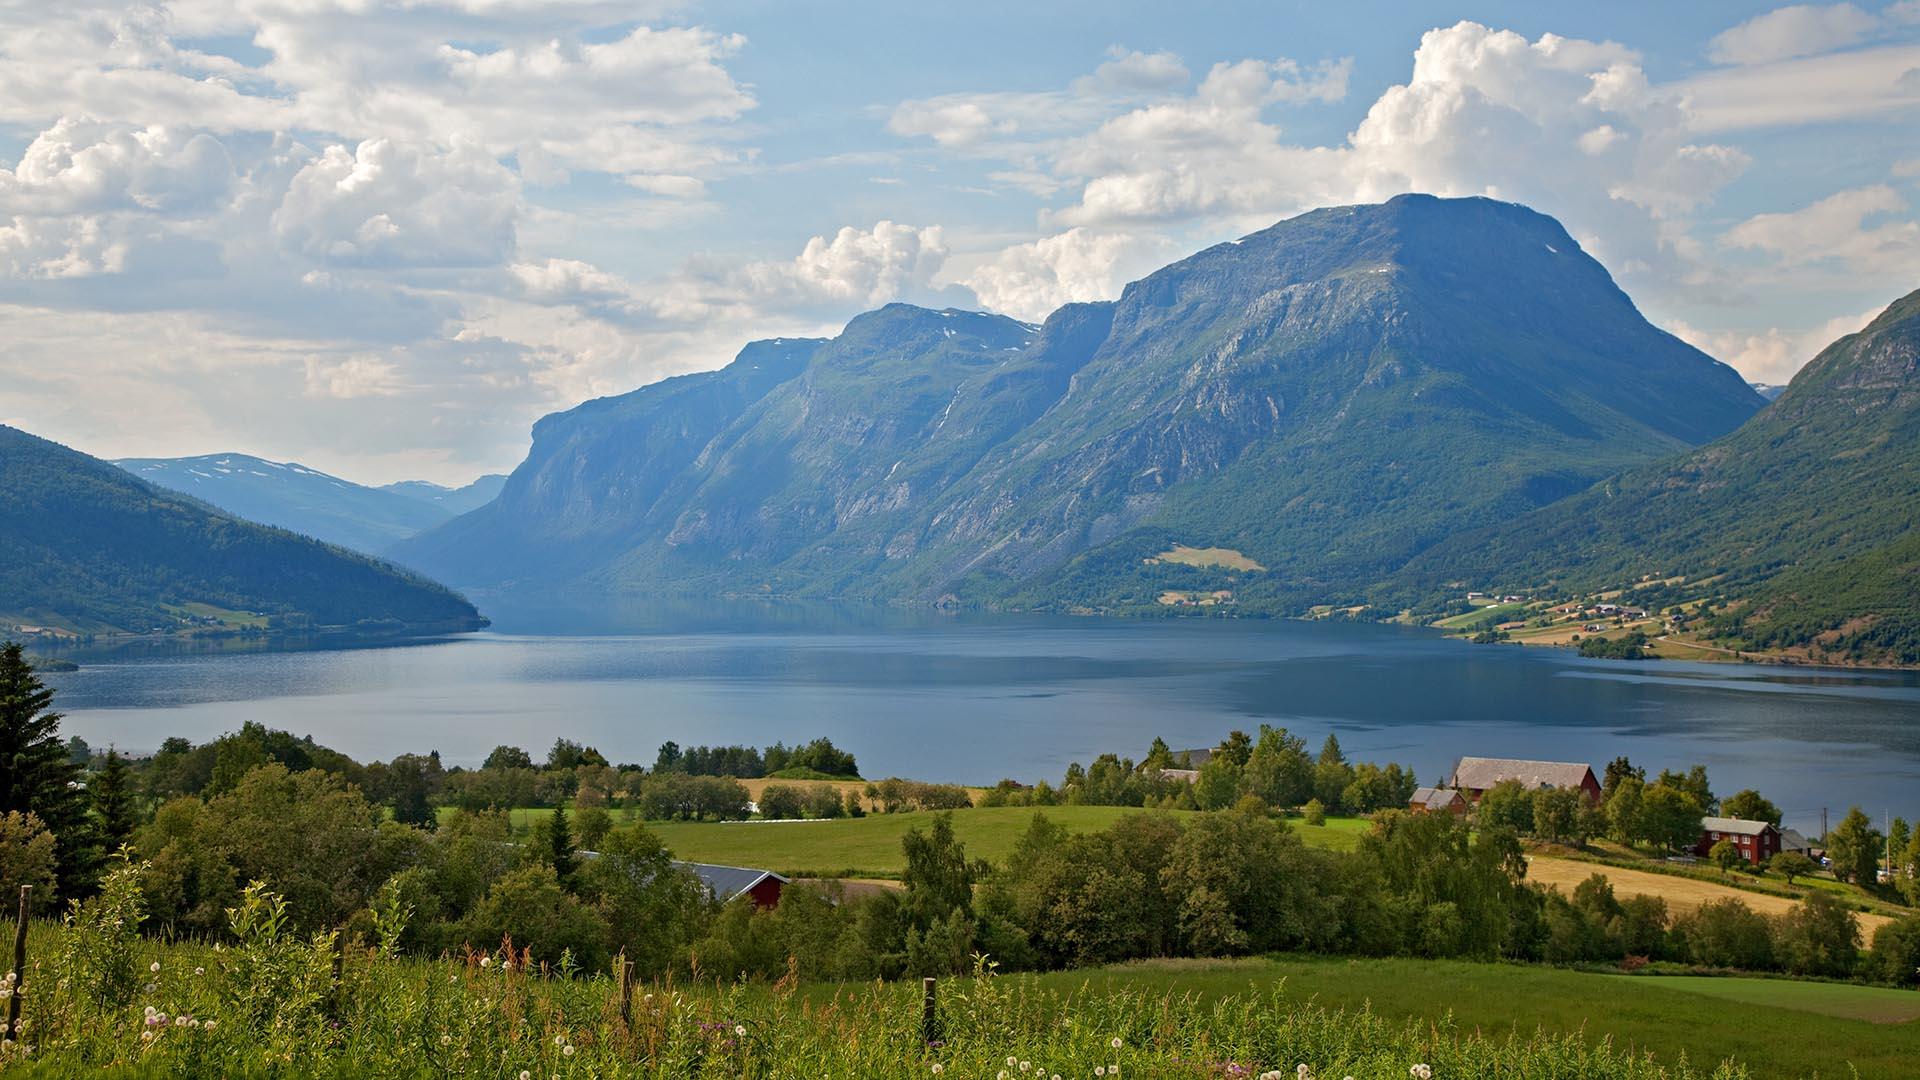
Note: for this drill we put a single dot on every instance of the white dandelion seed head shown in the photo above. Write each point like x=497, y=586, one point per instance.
x=154, y=967
x=567, y=1050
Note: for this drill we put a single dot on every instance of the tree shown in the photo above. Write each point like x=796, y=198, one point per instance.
x=112, y=795
x=1899, y=835
x=1693, y=782
x=938, y=878
x=1669, y=818
x=1277, y=768
x=1158, y=756
x=1896, y=951
x=1750, y=805
x=780, y=802
x=1725, y=855
x=1910, y=881
x=1557, y=817
x=508, y=757
x=1617, y=770
x=1818, y=937
x=592, y=823
x=410, y=782
x=560, y=849
x=1506, y=805
x=1218, y=785
x=1726, y=933
x=1314, y=813
x=36, y=774
x=1623, y=809
x=1331, y=774
x=26, y=858
x=1854, y=849
x=1791, y=864
x=669, y=757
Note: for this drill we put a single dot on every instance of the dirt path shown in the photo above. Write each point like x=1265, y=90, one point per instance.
x=1681, y=893
x=1671, y=640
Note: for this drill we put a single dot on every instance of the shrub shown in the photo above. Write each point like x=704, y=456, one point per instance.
x=779, y=802
x=1315, y=812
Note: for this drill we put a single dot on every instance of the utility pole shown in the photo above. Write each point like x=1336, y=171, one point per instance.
x=1823, y=826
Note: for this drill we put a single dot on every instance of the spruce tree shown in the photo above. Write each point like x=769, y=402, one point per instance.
x=36, y=774
x=560, y=844
x=112, y=793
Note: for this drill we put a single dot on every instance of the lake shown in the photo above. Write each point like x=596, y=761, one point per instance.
x=973, y=698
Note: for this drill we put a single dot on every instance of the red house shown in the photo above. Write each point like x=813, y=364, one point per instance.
x=1474, y=776
x=1429, y=800
x=1758, y=841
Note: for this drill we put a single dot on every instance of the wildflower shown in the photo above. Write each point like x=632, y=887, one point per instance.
x=154, y=967
x=486, y=961
x=567, y=1050
x=1012, y=1062
x=526, y=1074
x=938, y=1068
x=1421, y=1072
x=181, y=1021
x=146, y=1036
x=559, y=1040
x=446, y=1040
x=1003, y=1074
x=1303, y=1072
x=1114, y=1070
x=1099, y=1070
x=199, y=971
x=740, y=1030
x=208, y=1025
x=1114, y=1042
x=1025, y=1065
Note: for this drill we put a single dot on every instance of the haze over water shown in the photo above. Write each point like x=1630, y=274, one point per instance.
x=976, y=698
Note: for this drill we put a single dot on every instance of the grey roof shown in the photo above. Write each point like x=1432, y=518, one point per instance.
x=1734, y=825
x=1434, y=798
x=727, y=882
x=1188, y=775
x=1794, y=840
x=1196, y=757
x=1481, y=773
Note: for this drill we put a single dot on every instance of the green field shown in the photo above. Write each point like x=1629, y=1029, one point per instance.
x=869, y=847
x=1779, y=1028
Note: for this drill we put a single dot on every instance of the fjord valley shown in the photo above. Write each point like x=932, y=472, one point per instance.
x=90, y=549
x=1327, y=398
x=313, y=503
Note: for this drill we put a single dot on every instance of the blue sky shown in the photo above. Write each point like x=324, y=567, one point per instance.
x=381, y=237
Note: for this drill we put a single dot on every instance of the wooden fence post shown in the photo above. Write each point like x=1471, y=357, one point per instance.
x=623, y=971
x=929, y=1018
x=19, y=966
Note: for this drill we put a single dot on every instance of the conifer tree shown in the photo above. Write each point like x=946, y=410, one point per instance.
x=560, y=844
x=36, y=774
x=112, y=796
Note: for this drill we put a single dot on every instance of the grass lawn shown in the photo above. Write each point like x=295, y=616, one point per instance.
x=1876, y=1004
x=1779, y=1029
x=869, y=847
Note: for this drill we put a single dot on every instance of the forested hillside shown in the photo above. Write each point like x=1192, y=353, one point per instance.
x=86, y=546
x=1804, y=519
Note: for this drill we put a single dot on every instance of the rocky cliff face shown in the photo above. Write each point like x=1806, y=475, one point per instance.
x=1328, y=397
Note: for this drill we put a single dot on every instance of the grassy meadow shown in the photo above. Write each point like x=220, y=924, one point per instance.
x=869, y=847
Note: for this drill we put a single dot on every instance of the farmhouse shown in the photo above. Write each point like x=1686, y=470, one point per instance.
x=1796, y=841
x=1473, y=776
x=728, y=883
x=1758, y=841
x=1428, y=800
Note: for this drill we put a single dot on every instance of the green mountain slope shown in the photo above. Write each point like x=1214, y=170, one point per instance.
x=1808, y=515
x=87, y=546
x=1328, y=398
x=295, y=498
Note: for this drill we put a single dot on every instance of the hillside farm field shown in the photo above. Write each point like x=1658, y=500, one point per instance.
x=869, y=847
x=1776, y=1027
x=1681, y=893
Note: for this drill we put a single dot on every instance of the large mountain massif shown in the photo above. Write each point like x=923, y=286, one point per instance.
x=1292, y=416
x=85, y=546
x=1807, y=517
x=311, y=502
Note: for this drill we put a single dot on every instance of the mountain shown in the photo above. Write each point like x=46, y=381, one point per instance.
x=455, y=501
x=1288, y=417
x=87, y=546
x=1767, y=390
x=1804, y=523
x=311, y=502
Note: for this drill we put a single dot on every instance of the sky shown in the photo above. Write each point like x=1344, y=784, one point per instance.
x=383, y=237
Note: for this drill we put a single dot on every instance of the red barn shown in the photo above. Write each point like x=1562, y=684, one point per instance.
x=1758, y=841
x=1473, y=776
x=1429, y=800
x=728, y=883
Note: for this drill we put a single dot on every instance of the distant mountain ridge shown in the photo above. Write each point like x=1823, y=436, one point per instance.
x=1325, y=399
x=86, y=546
x=1807, y=517
x=310, y=502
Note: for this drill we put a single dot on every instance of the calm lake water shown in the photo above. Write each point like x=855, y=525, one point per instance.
x=976, y=698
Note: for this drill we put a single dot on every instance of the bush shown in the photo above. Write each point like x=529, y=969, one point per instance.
x=781, y=802
x=824, y=802
x=1818, y=937
x=1726, y=933
x=1314, y=813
